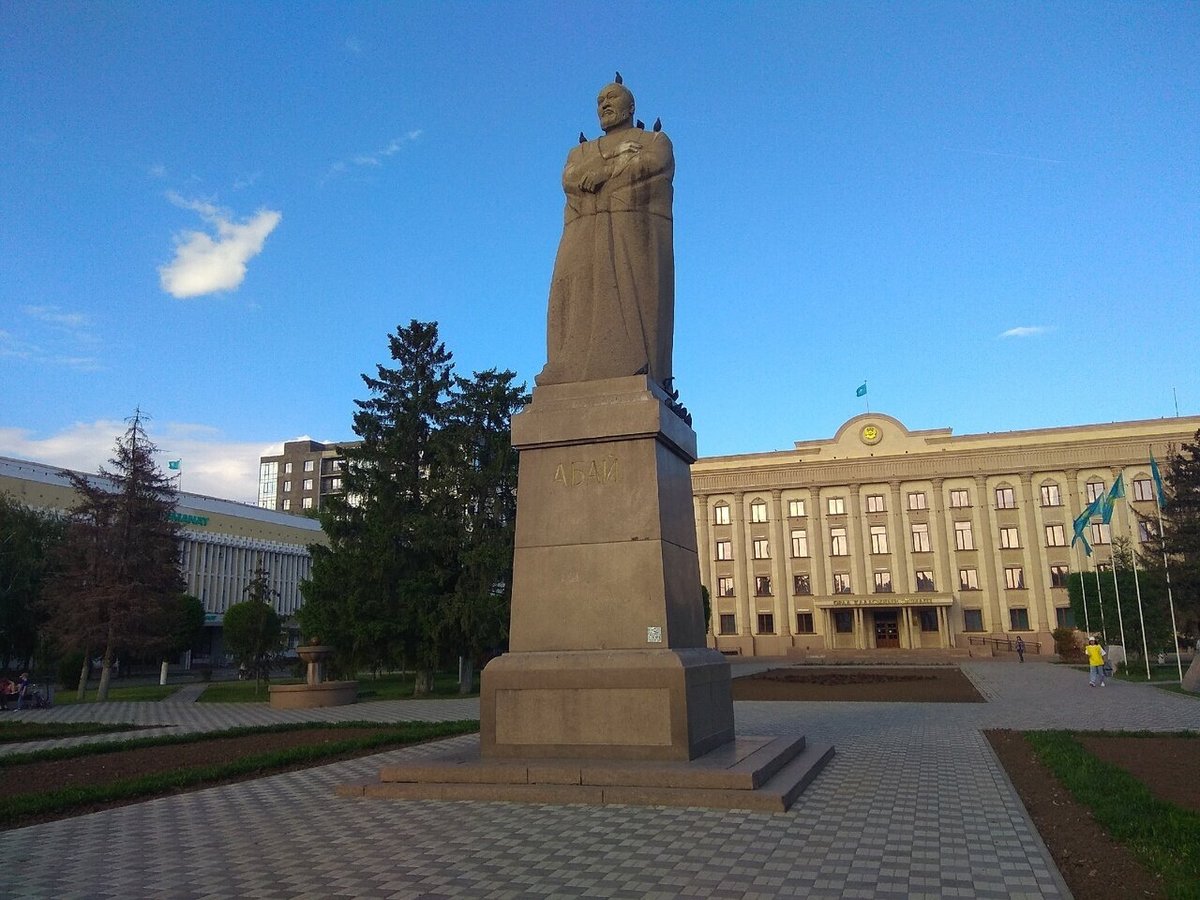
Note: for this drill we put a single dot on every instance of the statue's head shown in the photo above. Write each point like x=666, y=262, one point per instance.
x=615, y=106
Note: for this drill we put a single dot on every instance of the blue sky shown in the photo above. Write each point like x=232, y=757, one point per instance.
x=218, y=211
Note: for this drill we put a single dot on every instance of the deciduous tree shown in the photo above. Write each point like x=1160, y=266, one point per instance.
x=28, y=541
x=252, y=629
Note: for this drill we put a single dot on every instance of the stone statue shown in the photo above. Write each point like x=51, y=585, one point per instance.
x=612, y=296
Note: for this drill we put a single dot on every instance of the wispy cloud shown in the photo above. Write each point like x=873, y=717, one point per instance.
x=54, y=337
x=374, y=158
x=246, y=181
x=1025, y=331
x=204, y=265
x=158, y=170
x=212, y=464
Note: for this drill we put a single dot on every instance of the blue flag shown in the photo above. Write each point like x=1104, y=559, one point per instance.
x=1158, y=485
x=1084, y=519
x=174, y=464
x=862, y=390
x=1116, y=492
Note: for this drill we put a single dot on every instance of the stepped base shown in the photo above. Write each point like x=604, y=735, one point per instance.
x=763, y=774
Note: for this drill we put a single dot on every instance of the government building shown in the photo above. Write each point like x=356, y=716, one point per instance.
x=884, y=538
x=222, y=543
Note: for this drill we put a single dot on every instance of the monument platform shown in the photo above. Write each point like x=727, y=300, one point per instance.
x=762, y=774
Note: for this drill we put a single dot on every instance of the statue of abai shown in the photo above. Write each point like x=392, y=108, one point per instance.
x=612, y=296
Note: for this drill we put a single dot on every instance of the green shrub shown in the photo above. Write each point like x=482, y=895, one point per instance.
x=69, y=668
x=1066, y=645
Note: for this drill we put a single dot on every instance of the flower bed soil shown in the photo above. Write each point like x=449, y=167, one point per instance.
x=932, y=684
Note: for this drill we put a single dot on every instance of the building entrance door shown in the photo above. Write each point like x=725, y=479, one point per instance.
x=887, y=631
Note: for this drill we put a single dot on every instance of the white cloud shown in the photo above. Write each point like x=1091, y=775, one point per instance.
x=52, y=316
x=1024, y=331
x=66, y=342
x=212, y=465
x=158, y=170
x=203, y=265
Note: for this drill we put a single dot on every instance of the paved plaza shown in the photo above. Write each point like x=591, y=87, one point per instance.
x=914, y=804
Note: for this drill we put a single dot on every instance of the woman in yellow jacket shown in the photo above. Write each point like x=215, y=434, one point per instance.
x=1095, y=656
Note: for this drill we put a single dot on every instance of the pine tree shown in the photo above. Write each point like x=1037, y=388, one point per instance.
x=119, y=574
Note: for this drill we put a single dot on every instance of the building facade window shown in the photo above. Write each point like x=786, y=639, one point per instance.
x=960, y=499
x=725, y=586
x=837, y=506
x=307, y=503
x=762, y=549
x=875, y=503
x=883, y=582
x=1056, y=536
x=804, y=623
x=1101, y=534
x=758, y=511
x=1094, y=489
x=766, y=623
x=924, y=578
x=762, y=585
x=841, y=583
x=796, y=508
x=838, y=545
x=309, y=465
x=799, y=543
x=728, y=623
x=920, y=537
x=721, y=514
x=1058, y=576
x=724, y=549
x=308, y=483
x=843, y=622
x=287, y=486
x=963, y=537
x=1009, y=539
x=1064, y=617
x=879, y=543
x=968, y=580
x=1018, y=618
x=916, y=500
x=1051, y=495
x=1005, y=498
x=802, y=584
x=1142, y=489
x=1146, y=531
x=1014, y=578
x=287, y=504
x=929, y=619
x=972, y=620
x=287, y=468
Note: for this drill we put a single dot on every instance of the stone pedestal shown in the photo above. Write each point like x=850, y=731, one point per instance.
x=607, y=638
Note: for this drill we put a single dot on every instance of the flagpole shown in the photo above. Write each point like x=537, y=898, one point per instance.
x=1137, y=585
x=1083, y=587
x=1100, y=600
x=1162, y=540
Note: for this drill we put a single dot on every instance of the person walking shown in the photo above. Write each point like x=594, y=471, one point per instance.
x=1095, y=657
x=1020, y=648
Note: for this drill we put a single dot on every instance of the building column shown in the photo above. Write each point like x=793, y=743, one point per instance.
x=900, y=541
x=821, y=579
x=1038, y=580
x=708, y=566
x=993, y=584
x=779, y=585
x=741, y=563
x=943, y=628
x=905, y=625
x=942, y=553
x=860, y=556
x=860, y=631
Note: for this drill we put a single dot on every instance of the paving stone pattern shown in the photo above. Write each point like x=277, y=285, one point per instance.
x=913, y=805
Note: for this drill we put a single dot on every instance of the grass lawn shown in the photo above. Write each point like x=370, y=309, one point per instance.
x=392, y=686
x=1164, y=837
x=144, y=692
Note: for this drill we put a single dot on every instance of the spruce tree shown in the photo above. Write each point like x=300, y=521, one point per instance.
x=119, y=576
x=373, y=593
x=1180, y=533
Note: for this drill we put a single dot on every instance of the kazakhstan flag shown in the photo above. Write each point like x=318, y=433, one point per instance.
x=862, y=390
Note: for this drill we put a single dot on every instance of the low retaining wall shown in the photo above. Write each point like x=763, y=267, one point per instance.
x=309, y=696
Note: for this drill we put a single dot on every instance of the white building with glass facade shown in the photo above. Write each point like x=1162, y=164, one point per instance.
x=222, y=544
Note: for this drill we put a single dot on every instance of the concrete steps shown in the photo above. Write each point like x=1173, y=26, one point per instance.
x=755, y=773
